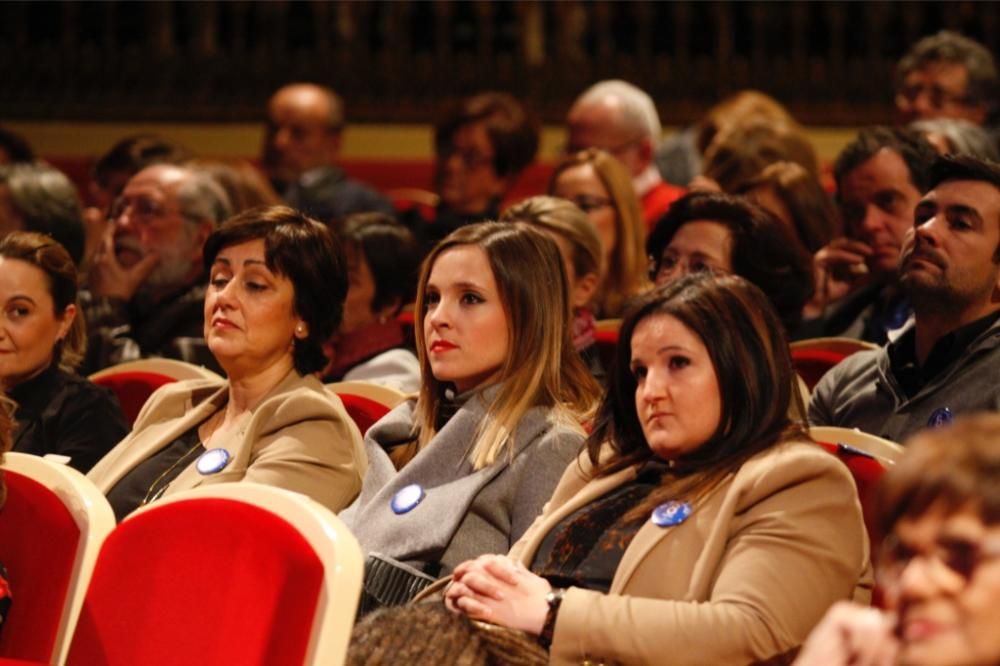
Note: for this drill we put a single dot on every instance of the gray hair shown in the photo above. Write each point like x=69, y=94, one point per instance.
x=200, y=198
x=47, y=202
x=950, y=46
x=638, y=110
x=964, y=137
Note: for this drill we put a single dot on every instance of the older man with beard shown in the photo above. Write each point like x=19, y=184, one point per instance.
x=146, y=283
x=948, y=360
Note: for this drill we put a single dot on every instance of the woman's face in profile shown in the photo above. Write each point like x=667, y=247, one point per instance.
x=581, y=185
x=677, y=393
x=940, y=572
x=29, y=327
x=250, y=319
x=465, y=324
x=699, y=245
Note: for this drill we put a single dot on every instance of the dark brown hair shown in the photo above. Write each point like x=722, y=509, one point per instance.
x=391, y=252
x=749, y=352
x=304, y=251
x=953, y=467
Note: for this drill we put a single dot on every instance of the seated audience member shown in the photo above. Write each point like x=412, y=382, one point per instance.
x=947, y=75
x=383, y=260
x=948, y=360
x=951, y=136
x=481, y=146
x=245, y=186
x=795, y=197
x=700, y=522
x=112, y=170
x=305, y=127
x=580, y=248
x=939, y=566
x=276, y=289
x=597, y=184
x=14, y=149
x=619, y=118
x=36, y=197
x=5, y=429
x=724, y=234
x=42, y=338
x=465, y=467
x=147, y=283
x=880, y=176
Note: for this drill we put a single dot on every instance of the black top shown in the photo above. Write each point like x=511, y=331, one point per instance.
x=585, y=548
x=147, y=480
x=903, y=354
x=60, y=412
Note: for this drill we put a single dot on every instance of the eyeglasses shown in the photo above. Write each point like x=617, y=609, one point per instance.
x=589, y=204
x=142, y=210
x=951, y=561
x=937, y=96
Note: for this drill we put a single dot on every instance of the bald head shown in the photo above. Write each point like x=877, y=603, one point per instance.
x=304, y=123
x=617, y=117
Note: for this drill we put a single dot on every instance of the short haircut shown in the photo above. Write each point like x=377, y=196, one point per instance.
x=512, y=129
x=763, y=251
x=954, y=467
x=54, y=261
x=910, y=145
x=47, y=202
x=563, y=218
x=308, y=254
x=753, y=366
x=200, y=198
x=962, y=167
x=391, y=252
x=134, y=153
x=963, y=137
x=952, y=47
x=16, y=146
x=638, y=112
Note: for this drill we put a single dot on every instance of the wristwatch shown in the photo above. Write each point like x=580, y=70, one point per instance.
x=554, y=600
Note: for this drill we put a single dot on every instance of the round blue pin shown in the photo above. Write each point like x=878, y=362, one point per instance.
x=407, y=498
x=940, y=417
x=212, y=461
x=671, y=513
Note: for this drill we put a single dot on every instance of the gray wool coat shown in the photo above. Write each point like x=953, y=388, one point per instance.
x=465, y=513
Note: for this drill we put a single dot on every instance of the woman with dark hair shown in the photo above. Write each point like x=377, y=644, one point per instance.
x=382, y=263
x=42, y=340
x=939, y=565
x=725, y=234
x=465, y=467
x=276, y=288
x=700, y=522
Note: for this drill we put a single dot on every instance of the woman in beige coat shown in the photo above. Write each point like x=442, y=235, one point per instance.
x=701, y=526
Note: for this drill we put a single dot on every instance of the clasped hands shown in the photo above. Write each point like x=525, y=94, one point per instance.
x=499, y=590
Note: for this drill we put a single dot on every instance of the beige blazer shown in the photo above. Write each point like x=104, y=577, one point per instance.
x=743, y=580
x=299, y=438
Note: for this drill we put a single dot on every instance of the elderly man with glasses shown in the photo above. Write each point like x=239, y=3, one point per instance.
x=146, y=283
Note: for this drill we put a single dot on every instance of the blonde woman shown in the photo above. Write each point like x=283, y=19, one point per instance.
x=595, y=181
x=464, y=468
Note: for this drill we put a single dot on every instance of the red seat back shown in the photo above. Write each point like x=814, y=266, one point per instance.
x=206, y=581
x=364, y=411
x=38, y=544
x=133, y=388
x=866, y=470
x=812, y=364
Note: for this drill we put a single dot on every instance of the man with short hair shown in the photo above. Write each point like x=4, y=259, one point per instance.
x=621, y=119
x=947, y=75
x=37, y=197
x=880, y=178
x=305, y=124
x=146, y=283
x=947, y=362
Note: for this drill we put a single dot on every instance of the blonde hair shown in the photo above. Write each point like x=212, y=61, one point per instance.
x=562, y=217
x=626, y=273
x=542, y=369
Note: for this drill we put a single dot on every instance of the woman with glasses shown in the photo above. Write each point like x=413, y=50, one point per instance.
x=598, y=184
x=939, y=565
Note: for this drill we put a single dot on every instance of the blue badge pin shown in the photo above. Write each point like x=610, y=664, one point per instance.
x=671, y=513
x=940, y=417
x=212, y=461
x=407, y=498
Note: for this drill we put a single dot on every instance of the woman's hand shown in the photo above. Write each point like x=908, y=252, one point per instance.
x=851, y=634
x=495, y=588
